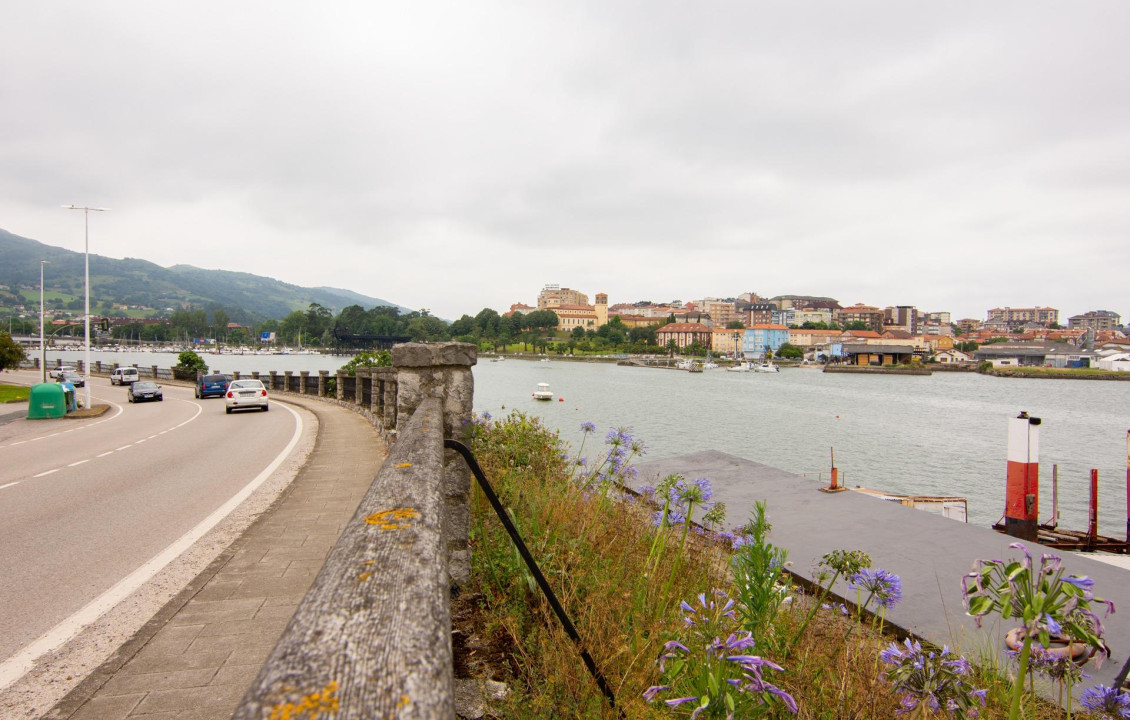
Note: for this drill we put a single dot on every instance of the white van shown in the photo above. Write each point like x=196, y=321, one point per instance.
x=124, y=376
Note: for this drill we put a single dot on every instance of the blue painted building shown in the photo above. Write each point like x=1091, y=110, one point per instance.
x=760, y=338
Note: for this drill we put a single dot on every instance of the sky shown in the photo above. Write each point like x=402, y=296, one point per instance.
x=458, y=155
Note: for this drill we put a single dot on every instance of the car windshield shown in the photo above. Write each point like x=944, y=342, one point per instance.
x=214, y=378
x=144, y=386
x=247, y=385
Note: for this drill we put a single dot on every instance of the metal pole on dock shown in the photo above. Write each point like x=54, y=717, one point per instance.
x=1093, y=515
x=1022, y=486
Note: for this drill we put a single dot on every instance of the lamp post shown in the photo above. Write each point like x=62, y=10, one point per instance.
x=42, y=347
x=86, y=236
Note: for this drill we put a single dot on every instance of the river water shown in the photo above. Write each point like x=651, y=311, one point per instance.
x=944, y=434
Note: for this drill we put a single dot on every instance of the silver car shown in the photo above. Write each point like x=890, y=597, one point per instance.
x=245, y=394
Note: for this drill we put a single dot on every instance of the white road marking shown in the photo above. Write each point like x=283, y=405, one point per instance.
x=19, y=664
x=123, y=447
x=108, y=452
x=80, y=462
x=46, y=473
x=9, y=485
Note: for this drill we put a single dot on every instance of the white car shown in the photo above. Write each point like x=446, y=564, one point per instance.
x=246, y=394
x=57, y=372
x=124, y=376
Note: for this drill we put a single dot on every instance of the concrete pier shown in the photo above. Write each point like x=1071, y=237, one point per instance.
x=930, y=553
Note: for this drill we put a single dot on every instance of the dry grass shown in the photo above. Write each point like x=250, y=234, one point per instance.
x=595, y=553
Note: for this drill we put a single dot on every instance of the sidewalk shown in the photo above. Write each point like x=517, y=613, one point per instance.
x=197, y=656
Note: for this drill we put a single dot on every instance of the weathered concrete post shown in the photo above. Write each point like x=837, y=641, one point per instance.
x=152, y=367
x=359, y=375
x=303, y=376
x=323, y=380
x=255, y=375
x=273, y=373
x=287, y=374
x=97, y=365
x=443, y=371
x=235, y=375
x=341, y=385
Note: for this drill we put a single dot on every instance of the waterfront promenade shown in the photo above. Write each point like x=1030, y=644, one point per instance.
x=196, y=658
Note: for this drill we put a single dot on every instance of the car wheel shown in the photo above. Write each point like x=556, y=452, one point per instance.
x=228, y=410
x=265, y=408
x=130, y=396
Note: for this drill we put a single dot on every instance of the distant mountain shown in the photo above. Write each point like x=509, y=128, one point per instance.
x=140, y=282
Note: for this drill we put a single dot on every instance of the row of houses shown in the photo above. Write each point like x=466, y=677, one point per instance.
x=754, y=343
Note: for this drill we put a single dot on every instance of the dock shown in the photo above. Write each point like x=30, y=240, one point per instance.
x=928, y=552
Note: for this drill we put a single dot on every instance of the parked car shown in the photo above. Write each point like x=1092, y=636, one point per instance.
x=144, y=390
x=245, y=394
x=57, y=372
x=212, y=385
x=124, y=376
x=73, y=378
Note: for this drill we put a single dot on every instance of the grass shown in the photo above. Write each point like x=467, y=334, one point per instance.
x=13, y=393
x=622, y=580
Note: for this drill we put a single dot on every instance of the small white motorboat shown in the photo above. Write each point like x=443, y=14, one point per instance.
x=767, y=368
x=543, y=392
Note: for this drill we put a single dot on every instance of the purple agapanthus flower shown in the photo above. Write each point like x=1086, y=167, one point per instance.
x=588, y=427
x=1110, y=702
x=885, y=587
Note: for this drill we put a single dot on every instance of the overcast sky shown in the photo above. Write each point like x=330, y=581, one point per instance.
x=458, y=155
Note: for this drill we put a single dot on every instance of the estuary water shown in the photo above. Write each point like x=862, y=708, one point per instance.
x=944, y=434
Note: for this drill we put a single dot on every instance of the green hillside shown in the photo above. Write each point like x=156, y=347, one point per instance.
x=139, y=282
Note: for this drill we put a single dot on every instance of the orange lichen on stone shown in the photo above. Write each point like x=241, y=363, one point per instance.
x=395, y=519
x=309, y=707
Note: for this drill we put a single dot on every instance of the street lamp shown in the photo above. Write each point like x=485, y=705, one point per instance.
x=42, y=347
x=86, y=235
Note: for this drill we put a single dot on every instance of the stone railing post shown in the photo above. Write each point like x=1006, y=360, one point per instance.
x=359, y=377
x=303, y=376
x=235, y=375
x=152, y=367
x=273, y=373
x=255, y=376
x=443, y=371
x=287, y=375
x=341, y=385
x=323, y=380
x=98, y=366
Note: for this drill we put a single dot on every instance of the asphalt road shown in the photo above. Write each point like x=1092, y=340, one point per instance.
x=86, y=503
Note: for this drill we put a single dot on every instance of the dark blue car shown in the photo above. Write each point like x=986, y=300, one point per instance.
x=212, y=386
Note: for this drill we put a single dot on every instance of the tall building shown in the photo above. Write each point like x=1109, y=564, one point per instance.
x=1008, y=318
x=902, y=317
x=871, y=316
x=1095, y=319
x=553, y=296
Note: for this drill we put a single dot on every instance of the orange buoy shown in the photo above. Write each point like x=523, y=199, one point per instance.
x=560, y=399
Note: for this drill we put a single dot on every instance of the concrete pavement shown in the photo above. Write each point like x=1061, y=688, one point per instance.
x=196, y=657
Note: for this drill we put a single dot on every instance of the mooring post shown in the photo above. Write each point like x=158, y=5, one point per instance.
x=1022, y=486
x=1093, y=515
x=834, y=484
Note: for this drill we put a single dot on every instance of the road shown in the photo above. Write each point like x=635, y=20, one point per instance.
x=85, y=504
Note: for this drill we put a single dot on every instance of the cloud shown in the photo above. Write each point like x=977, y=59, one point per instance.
x=455, y=156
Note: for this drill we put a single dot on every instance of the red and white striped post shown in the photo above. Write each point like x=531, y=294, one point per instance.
x=1022, y=488
x=1093, y=515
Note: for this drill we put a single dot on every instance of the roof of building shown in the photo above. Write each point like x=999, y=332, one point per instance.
x=763, y=326
x=684, y=327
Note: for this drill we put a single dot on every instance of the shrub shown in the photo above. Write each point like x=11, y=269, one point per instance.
x=188, y=365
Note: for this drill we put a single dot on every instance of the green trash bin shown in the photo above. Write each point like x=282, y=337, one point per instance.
x=46, y=400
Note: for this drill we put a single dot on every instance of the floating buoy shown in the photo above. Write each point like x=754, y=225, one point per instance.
x=560, y=399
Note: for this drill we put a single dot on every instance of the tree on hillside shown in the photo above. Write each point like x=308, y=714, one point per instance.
x=11, y=352
x=220, y=320
x=735, y=325
x=427, y=328
x=318, y=319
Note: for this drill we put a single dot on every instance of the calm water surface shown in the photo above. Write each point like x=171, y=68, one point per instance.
x=945, y=434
